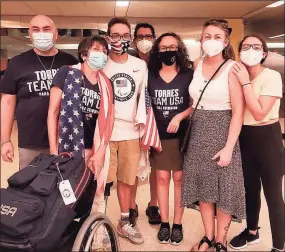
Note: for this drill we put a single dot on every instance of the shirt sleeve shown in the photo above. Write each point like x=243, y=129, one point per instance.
x=59, y=78
x=9, y=81
x=272, y=85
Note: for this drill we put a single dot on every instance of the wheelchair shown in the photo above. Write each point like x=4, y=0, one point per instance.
x=97, y=233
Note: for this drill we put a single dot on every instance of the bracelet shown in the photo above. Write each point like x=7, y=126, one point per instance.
x=246, y=84
x=9, y=141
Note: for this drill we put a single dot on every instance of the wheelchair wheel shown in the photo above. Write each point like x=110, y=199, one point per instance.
x=96, y=234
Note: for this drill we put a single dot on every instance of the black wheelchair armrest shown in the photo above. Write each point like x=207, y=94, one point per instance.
x=108, y=189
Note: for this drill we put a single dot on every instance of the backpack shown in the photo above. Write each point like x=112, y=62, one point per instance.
x=33, y=214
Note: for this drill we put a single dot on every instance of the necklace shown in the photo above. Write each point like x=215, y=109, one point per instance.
x=43, y=64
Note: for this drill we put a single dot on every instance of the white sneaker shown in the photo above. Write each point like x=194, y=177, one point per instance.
x=126, y=230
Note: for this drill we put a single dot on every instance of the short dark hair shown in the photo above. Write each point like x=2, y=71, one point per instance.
x=183, y=62
x=143, y=25
x=87, y=43
x=261, y=39
x=118, y=20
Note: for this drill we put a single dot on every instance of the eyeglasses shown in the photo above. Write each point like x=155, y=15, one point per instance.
x=256, y=47
x=169, y=48
x=147, y=37
x=118, y=37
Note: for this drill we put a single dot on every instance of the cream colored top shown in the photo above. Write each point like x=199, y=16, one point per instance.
x=267, y=83
x=217, y=93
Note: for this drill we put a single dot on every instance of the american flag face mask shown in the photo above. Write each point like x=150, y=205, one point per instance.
x=120, y=47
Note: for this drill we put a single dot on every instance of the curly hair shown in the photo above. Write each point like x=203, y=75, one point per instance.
x=182, y=62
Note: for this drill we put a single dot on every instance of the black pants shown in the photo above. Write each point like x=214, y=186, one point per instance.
x=262, y=153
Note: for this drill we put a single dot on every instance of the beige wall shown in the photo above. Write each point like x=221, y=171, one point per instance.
x=237, y=33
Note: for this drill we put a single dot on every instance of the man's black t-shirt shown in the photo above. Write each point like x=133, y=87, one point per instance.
x=29, y=77
x=169, y=99
x=90, y=104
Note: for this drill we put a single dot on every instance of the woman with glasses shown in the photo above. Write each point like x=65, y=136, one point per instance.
x=212, y=172
x=168, y=82
x=260, y=142
x=77, y=100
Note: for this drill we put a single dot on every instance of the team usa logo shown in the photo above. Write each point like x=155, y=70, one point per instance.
x=124, y=87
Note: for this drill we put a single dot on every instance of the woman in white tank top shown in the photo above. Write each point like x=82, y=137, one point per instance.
x=212, y=168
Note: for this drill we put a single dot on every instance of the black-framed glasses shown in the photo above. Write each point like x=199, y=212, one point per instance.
x=168, y=48
x=256, y=47
x=147, y=37
x=118, y=37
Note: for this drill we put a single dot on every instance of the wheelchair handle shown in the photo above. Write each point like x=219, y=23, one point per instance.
x=65, y=154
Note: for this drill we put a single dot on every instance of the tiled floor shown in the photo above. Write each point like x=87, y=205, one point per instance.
x=193, y=229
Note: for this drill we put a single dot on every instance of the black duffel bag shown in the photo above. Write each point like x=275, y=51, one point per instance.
x=33, y=214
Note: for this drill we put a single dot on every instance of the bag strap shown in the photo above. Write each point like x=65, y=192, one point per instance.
x=207, y=86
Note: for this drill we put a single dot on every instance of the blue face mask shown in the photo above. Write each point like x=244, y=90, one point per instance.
x=97, y=60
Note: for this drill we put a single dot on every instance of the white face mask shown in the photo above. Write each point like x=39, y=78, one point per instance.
x=251, y=57
x=43, y=41
x=144, y=46
x=213, y=47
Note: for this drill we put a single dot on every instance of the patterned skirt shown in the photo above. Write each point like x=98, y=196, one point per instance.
x=203, y=179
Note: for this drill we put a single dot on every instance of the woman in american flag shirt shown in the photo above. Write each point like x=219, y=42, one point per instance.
x=81, y=110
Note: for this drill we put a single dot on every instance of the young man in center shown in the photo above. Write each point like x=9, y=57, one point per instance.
x=127, y=73
x=144, y=37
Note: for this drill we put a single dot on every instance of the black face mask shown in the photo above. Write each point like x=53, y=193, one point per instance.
x=168, y=57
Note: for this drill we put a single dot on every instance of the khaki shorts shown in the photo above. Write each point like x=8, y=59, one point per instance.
x=124, y=161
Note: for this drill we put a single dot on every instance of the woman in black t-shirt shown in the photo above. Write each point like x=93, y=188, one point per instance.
x=92, y=54
x=168, y=82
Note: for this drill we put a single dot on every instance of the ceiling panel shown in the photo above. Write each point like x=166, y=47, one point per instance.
x=276, y=14
x=87, y=8
x=16, y=8
x=45, y=7
x=171, y=9
x=196, y=9
x=60, y=8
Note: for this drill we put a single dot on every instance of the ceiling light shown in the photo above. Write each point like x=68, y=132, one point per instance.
x=122, y=3
x=278, y=36
x=276, y=4
x=275, y=45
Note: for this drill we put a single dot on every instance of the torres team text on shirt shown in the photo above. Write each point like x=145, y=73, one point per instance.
x=234, y=144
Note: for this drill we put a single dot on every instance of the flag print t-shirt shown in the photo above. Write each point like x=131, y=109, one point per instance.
x=90, y=98
x=29, y=77
x=169, y=99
